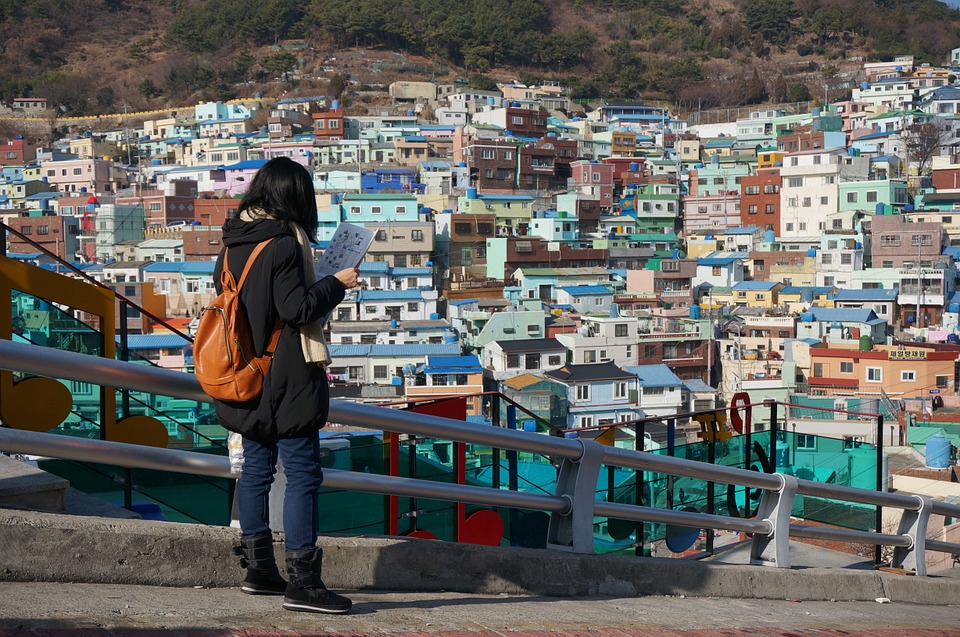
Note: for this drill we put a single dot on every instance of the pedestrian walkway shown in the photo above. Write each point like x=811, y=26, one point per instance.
x=61, y=610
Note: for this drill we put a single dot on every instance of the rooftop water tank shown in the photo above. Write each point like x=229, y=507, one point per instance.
x=434, y=316
x=394, y=323
x=815, y=111
x=335, y=104
x=807, y=317
x=879, y=208
x=908, y=207
x=812, y=252
x=769, y=236
x=634, y=166
x=695, y=311
x=865, y=343
x=471, y=193
x=938, y=452
x=450, y=337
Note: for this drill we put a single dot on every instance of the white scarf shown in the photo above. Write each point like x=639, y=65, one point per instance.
x=312, y=341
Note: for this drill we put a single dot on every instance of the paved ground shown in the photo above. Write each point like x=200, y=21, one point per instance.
x=60, y=610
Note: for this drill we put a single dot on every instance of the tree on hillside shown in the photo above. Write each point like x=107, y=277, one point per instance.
x=770, y=18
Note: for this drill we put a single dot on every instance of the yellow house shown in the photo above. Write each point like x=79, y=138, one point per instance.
x=699, y=246
x=769, y=157
x=799, y=298
x=756, y=294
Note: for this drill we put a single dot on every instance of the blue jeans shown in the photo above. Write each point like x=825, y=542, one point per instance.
x=301, y=466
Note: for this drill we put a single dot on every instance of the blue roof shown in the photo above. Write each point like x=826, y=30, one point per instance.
x=451, y=364
x=866, y=295
x=373, y=266
x=697, y=385
x=389, y=295
x=716, y=260
x=874, y=135
x=658, y=375
x=799, y=289
x=410, y=271
x=504, y=198
x=952, y=251
x=403, y=349
x=746, y=230
x=155, y=341
x=582, y=290
x=763, y=286
x=250, y=164
x=462, y=302
x=844, y=315
x=41, y=196
x=187, y=267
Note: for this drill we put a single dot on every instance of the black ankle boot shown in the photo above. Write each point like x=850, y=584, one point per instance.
x=305, y=590
x=263, y=576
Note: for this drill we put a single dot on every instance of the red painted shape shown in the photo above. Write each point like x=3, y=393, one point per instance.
x=483, y=527
x=455, y=408
x=741, y=400
x=423, y=535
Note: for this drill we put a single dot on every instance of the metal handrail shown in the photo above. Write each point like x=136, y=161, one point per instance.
x=573, y=507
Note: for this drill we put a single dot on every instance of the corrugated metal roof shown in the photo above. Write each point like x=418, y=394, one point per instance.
x=581, y=290
x=658, y=375
x=698, y=386
x=754, y=285
x=405, y=349
x=866, y=295
x=186, y=267
x=389, y=295
x=155, y=341
x=531, y=344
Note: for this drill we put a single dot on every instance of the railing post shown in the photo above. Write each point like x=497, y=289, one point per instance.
x=878, y=552
x=775, y=507
x=913, y=524
x=577, y=483
x=513, y=468
x=774, y=428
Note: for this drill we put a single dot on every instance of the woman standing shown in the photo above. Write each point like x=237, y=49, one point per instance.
x=283, y=422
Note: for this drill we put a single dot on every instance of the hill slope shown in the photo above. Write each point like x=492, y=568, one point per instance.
x=89, y=56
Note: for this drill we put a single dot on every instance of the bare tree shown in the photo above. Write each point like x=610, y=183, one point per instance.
x=923, y=141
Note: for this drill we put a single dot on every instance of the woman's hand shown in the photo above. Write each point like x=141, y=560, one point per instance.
x=348, y=277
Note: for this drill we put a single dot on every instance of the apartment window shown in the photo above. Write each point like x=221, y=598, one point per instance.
x=553, y=359
x=43, y=229
x=620, y=390
x=828, y=281
x=156, y=206
x=751, y=190
x=760, y=296
x=824, y=201
x=516, y=119
x=852, y=197
x=846, y=258
x=889, y=240
x=875, y=374
x=401, y=210
x=371, y=309
x=413, y=307
x=751, y=210
x=531, y=361
x=806, y=202
x=771, y=189
x=886, y=264
x=586, y=421
x=620, y=329
x=416, y=235
x=590, y=356
x=771, y=208
x=376, y=210
x=846, y=367
x=942, y=381
x=921, y=240
x=806, y=442
x=908, y=376
x=837, y=224
x=583, y=392
x=826, y=259
x=354, y=210
x=380, y=236
x=795, y=182
x=77, y=171
x=649, y=351
x=380, y=372
x=818, y=370
x=486, y=154
x=513, y=360
x=872, y=196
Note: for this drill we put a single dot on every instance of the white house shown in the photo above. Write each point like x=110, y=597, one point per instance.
x=603, y=339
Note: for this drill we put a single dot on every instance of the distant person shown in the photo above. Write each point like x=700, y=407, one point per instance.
x=283, y=422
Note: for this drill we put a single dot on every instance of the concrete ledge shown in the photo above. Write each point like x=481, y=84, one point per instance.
x=25, y=486
x=62, y=548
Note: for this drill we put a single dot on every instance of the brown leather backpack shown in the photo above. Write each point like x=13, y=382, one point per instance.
x=223, y=351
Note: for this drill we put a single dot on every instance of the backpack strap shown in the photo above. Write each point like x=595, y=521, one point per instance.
x=278, y=326
x=253, y=257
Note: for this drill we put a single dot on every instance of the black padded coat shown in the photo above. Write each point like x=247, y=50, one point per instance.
x=295, y=398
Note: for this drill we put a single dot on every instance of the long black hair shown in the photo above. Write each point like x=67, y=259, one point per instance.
x=284, y=188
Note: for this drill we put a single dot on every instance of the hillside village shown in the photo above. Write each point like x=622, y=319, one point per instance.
x=595, y=267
